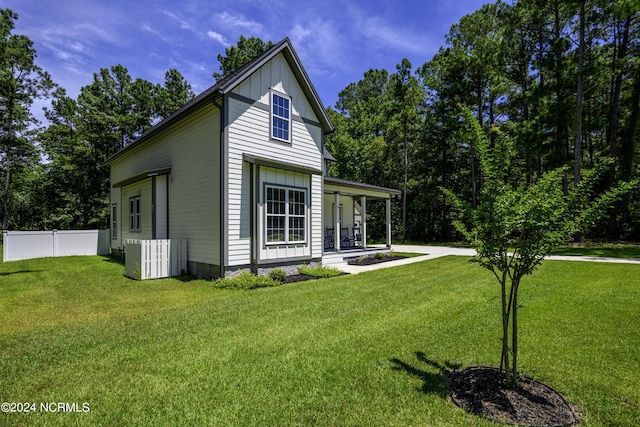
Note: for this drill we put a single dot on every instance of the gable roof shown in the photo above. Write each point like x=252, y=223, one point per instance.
x=230, y=82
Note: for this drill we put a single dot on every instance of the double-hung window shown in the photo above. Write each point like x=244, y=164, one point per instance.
x=286, y=215
x=134, y=213
x=280, y=117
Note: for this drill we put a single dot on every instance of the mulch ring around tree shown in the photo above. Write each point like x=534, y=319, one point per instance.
x=370, y=260
x=482, y=391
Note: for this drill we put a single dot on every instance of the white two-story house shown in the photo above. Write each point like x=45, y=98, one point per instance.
x=239, y=172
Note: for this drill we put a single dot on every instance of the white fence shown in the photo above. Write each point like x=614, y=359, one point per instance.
x=154, y=259
x=39, y=244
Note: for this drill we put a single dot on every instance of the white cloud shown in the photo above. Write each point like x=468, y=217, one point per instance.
x=299, y=32
x=184, y=24
x=77, y=47
x=218, y=37
x=382, y=33
x=319, y=44
x=164, y=36
x=239, y=22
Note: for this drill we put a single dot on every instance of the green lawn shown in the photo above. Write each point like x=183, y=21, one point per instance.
x=607, y=250
x=367, y=349
x=407, y=254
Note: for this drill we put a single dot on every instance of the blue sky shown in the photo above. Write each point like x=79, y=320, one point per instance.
x=336, y=40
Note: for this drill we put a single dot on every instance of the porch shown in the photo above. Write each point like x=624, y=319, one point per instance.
x=345, y=219
x=345, y=255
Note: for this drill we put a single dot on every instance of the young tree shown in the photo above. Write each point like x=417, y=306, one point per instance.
x=516, y=226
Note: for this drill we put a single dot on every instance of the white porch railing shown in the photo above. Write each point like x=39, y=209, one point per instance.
x=155, y=259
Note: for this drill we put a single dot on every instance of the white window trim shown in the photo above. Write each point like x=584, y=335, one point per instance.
x=135, y=217
x=272, y=116
x=286, y=216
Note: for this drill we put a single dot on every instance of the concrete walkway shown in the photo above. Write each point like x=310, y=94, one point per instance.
x=431, y=252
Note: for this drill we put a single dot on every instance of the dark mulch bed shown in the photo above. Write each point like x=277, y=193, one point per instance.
x=298, y=278
x=482, y=391
x=370, y=260
x=302, y=277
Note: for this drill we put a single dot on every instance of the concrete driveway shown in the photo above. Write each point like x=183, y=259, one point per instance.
x=431, y=252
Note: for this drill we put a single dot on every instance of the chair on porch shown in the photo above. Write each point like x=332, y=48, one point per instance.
x=329, y=238
x=346, y=242
x=357, y=237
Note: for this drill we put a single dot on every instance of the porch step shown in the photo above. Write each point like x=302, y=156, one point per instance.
x=333, y=259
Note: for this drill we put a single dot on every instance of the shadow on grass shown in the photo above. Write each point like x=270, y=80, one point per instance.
x=186, y=278
x=20, y=272
x=116, y=259
x=433, y=382
x=626, y=251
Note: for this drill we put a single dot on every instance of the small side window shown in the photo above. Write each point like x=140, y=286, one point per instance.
x=134, y=213
x=114, y=221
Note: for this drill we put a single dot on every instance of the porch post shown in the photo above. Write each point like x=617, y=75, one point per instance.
x=336, y=221
x=363, y=231
x=388, y=222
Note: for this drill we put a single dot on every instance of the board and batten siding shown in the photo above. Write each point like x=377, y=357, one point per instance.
x=191, y=148
x=276, y=75
x=142, y=189
x=274, y=176
x=317, y=235
x=249, y=133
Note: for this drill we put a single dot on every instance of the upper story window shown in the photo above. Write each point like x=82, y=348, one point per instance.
x=280, y=117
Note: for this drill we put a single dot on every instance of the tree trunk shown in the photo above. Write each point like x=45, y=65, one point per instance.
x=614, y=111
x=577, y=148
x=404, y=193
x=614, y=106
x=514, y=336
x=8, y=160
x=7, y=180
x=627, y=140
x=504, y=362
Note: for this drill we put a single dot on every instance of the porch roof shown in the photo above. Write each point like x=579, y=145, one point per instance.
x=352, y=188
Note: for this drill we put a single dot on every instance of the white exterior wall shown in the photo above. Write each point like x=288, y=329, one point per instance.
x=142, y=189
x=276, y=75
x=249, y=132
x=116, y=199
x=191, y=149
x=347, y=211
x=317, y=232
x=162, y=225
x=289, y=179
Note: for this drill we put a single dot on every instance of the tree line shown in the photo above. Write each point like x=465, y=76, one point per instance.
x=56, y=176
x=561, y=77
